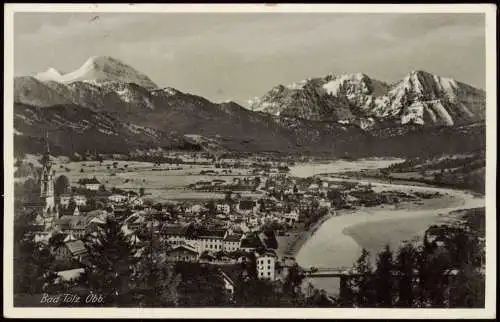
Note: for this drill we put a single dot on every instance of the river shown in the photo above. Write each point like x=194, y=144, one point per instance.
x=339, y=240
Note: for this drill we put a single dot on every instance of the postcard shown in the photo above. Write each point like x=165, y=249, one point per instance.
x=250, y=161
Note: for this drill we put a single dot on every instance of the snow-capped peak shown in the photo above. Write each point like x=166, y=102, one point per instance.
x=420, y=97
x=50, y=74
x=101, y=69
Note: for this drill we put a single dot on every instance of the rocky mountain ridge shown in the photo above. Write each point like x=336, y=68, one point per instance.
x=419, y=98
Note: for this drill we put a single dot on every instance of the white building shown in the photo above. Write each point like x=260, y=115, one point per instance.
x=223, y=208
x=195, y=209
x=65, y=199
x=266, y=265
x=291, y=217
x=80, y=200
x=136, y=201
x=90, y=184
x=212, y=243
x=117, y=198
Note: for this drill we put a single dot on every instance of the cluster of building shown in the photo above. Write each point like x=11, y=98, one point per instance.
x=218, y=232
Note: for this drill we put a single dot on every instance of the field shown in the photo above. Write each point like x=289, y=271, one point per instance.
x=304, y=170
x=160, y=183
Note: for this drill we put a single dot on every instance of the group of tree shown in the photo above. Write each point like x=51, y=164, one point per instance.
x=445, y=272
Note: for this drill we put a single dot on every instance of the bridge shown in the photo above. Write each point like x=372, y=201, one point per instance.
x=329, y=272
x=349, y=272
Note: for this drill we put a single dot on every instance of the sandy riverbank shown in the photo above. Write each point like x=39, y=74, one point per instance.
x=291, y=245
x=343, y=236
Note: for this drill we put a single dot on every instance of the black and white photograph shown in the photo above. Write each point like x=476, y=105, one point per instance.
x=328, y=158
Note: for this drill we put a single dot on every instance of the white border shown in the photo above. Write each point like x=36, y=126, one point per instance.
x=489, y=312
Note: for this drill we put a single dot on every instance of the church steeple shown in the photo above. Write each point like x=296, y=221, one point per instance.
x=46, y=155
x=47, y=180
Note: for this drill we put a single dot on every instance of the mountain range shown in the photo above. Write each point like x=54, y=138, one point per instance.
x=419, y=98
x=108, y=106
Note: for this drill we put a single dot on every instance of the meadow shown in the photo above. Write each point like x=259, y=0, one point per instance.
x=161, y=183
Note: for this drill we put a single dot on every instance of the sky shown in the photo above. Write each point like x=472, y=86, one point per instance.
x=238, y=56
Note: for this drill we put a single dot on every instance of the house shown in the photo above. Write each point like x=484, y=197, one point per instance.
x=176, y=235
x=68, y=275
x=195, y=209
x=223, y=208
x=274, y=172
x=182, y=253
x=90, y=184
x=64, y=199
x=80, y=200
x=247, y=207
x=232, y=242
x=229, y=284
x=75, y=225
x=96, y=223
x=74, y=249
x=230, y=274
x=250, y=243
x=117, y=198
x=266, y=265
x=291, y=217
x=135, y=221
x=136, y=201
x=210, y=240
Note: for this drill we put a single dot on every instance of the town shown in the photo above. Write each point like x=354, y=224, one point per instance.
x=265, y=227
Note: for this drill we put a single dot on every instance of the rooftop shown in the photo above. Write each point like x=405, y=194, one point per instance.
x=88, y=181
x=76, y=247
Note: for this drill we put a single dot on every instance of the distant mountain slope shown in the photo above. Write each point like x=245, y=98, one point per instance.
x=108, y=106
x=420, y=98
x=74, y=128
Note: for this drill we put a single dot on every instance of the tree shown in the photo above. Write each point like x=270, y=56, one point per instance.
x=467, y=289
x=292, y=280
x=212, y=207
x=61, y=185
x=405, y=264
x=359, y=290
x=32, y=263
x=155, y=281
x=109, y=268
x=200, y=286
x=384, y=278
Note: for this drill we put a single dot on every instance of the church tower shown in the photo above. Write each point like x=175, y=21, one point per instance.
x=47, y=183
